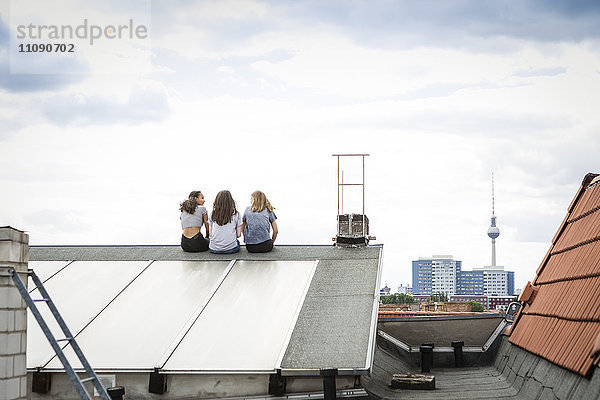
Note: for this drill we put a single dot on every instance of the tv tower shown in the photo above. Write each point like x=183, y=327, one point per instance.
x=493, y=231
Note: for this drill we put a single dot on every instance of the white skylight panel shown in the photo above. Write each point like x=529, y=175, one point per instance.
x=79, y=292
x=247, y=324
x=140, y=325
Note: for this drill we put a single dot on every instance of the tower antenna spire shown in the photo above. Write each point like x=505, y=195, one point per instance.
x=493, y=203
x=493, y=231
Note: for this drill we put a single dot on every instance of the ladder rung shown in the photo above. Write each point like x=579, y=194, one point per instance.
x=41, y=299
x=91, y=378
x=64, y=340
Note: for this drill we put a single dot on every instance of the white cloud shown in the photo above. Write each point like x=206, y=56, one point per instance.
x=210, y=107
x=222, y=9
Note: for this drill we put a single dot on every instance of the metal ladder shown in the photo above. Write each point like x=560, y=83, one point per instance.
x=77, y=382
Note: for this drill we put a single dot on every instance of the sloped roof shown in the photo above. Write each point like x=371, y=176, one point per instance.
x=560, y=320
x=136, y=308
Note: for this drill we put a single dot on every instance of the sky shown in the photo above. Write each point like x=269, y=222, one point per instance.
x=100, y=146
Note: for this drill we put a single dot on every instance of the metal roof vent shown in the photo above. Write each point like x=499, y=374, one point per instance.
x=352, y=228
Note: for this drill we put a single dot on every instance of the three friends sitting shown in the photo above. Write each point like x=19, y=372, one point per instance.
x=224, y=225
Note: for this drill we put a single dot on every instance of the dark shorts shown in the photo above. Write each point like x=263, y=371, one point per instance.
x=194, y=244
x=263, y=247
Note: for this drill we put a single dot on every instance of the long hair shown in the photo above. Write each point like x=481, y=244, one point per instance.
x=258, y=202
x=223, y=208
x=189, y=205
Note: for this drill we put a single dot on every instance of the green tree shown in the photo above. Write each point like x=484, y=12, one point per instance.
x=398, y=298
x=405, y=299
x=476, y=306
x=439, y=297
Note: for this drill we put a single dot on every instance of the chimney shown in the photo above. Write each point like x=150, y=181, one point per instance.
x=14, y=253
x=352, y=228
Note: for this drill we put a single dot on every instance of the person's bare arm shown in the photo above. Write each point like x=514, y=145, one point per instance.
x=238, y=228
x=275, y=230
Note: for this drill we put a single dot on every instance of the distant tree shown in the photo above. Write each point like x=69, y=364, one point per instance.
x=398, y=298
x=476, y=306
x=405, y=299
x=516, y=298
x=388, y=299
x=439, y=297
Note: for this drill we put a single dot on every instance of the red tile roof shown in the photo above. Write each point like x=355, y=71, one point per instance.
x=560, y=317
x=396, y=314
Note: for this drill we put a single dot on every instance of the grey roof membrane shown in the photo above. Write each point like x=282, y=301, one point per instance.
x=166, y=253
x=336, y=324
x=334, y=319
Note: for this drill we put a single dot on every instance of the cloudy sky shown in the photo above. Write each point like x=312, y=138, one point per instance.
x=100, y=146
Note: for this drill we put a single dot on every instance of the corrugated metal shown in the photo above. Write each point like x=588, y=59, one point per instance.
x=562, y=323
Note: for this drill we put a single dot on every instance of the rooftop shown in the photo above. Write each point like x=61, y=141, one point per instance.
x=297, y=310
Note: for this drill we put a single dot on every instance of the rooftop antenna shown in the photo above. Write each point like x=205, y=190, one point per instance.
x=493, y=231
x=353, y=229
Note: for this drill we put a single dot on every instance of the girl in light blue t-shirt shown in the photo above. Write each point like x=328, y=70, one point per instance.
x=258, y=219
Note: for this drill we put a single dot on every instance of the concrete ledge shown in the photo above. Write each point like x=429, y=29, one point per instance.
x=174, y=252
x=194, y=386
x=8, y=233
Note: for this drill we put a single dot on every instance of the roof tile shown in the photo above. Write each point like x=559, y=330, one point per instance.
x=562, y=321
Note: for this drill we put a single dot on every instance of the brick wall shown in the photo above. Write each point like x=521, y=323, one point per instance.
x=448, y=306
x=399, y=307
x=14, y=253
x=451, y=306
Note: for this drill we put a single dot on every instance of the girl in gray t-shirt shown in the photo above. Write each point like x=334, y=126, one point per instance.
x=193, y=218
x=258, y=220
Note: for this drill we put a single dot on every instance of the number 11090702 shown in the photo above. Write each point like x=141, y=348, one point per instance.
x=47, y=48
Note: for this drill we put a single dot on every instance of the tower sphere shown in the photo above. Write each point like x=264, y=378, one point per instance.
x=493, y=232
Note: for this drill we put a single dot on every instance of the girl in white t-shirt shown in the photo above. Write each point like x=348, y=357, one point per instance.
x=224, y=225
